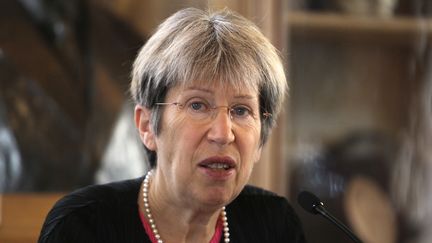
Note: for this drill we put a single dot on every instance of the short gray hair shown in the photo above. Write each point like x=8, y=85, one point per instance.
x=194, y=45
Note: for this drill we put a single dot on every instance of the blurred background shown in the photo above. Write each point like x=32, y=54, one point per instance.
x=356, y=129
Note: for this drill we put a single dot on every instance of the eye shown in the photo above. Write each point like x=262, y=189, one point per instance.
x=240, y=111
x=197, y=105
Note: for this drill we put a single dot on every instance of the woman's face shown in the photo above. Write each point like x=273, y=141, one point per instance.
x=206, y=155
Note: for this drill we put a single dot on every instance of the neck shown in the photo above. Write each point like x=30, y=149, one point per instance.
x=176, y=223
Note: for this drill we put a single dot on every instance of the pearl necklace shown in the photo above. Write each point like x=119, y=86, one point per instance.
x=145, y=192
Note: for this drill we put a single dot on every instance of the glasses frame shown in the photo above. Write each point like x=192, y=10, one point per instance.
x=265, y=115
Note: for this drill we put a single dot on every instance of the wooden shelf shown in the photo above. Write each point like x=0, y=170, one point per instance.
x=22, y=215
x=339, y=27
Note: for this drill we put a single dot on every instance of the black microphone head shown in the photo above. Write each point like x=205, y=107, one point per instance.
x=308, y=201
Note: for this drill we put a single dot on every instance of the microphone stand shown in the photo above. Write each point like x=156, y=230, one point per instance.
x=321, y=210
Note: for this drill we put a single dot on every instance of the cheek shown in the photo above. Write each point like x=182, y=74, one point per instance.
x=178, y=135
x=171, y=124
x=251, y=145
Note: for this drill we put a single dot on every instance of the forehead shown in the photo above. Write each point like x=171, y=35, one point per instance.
x=217, y=88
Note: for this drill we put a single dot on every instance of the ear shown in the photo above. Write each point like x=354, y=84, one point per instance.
x=142, y=123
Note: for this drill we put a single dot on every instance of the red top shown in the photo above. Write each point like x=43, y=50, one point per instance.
x=215, y=239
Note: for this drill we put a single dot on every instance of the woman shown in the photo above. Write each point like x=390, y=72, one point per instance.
x=207, y=88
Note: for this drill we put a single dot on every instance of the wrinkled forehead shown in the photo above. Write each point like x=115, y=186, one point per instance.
x=220, y=87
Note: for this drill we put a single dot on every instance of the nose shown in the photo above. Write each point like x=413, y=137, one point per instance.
x=221, y=128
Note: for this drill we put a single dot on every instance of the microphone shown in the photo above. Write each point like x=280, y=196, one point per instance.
x=313, y=205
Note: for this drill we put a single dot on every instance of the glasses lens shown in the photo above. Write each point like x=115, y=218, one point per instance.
x=198, y=109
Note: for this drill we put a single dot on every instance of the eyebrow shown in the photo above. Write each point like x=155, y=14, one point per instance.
x=239, y=96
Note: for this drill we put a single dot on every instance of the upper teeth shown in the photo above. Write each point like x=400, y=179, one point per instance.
x=218, y=166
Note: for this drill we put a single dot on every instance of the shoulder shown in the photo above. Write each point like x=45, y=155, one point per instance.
x=91, y=211
x=254, y=197
x=254, y=191
x=115, y=193
x=260, y=202
x=258, y=214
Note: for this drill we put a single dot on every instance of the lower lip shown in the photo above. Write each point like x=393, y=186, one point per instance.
x=217, y=174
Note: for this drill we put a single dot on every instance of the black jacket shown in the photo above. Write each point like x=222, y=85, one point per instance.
x=109, y=213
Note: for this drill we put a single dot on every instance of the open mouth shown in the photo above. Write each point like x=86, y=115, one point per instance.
x=218, y=163
x=217, y=166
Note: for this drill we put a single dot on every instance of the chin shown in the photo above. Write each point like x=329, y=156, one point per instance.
x=217, y=198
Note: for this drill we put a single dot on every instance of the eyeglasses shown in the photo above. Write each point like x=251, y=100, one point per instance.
x=201, y=110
